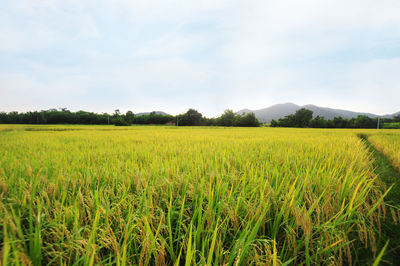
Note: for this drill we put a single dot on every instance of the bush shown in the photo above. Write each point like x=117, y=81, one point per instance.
x=119, y=121
x=394, y=125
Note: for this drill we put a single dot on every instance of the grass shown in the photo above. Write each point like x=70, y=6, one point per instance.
x=389, y=145
x=390, y=224
x=392, y=125
x=166, y=195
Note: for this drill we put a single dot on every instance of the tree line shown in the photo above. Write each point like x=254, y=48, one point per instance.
x=304, y=118
x=227, y=119
x=64, y=116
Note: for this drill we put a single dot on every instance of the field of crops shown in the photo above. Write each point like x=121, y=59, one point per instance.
x=168, y=195
x=389, y=145
x=393, y=125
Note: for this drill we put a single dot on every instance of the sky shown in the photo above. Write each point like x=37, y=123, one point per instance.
x=211, y=55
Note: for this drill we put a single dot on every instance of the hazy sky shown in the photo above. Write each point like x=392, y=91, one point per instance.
x=100, y=55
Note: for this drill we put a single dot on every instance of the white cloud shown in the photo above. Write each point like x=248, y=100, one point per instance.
x=374, y=84
x=275, y=30
x=22, y=92
x=212, y=54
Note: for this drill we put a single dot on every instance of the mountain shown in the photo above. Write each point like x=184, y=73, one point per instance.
x=273, y=112
x=157, y=112
x=280, y=110
x=329, y=113
x=392, y=115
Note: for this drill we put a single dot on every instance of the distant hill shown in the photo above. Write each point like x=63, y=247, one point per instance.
x=273, y=112
x=329, y=113
x=392, y=115
x=157, y=112
x=281, y=110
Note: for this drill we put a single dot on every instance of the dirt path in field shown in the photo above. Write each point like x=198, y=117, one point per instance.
x=390, y=225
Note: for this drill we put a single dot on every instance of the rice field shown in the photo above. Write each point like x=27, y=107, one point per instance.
x=389, y=145
x=151, y=195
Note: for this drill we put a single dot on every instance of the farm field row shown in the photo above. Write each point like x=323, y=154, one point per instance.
x=165, y=195
x=389, y=145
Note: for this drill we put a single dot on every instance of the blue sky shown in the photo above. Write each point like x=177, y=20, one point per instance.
x=210, y=55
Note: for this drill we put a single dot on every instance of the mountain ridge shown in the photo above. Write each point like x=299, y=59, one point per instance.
x=281, y=110
x=156, y=112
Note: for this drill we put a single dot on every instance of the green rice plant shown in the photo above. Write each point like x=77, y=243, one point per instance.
x=388, y=144
x=85, y=195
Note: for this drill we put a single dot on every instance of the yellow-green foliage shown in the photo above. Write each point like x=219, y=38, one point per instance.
x=163, y=195
x=389, y=144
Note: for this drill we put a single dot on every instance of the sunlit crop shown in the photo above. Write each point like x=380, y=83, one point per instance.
x=165, y=195
x=389, y=145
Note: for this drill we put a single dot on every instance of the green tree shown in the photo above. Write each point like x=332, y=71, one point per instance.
x=130, y=117
x=318, y=122
x=287, y=121
x=246, y=120
x=274, y=123
x=120, y=121
x=363, y=121
x=191, y=118
x=303, y=117
x=227, y=119
x=116, y=113
x=339, y=122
